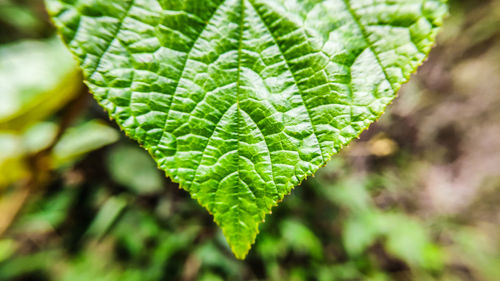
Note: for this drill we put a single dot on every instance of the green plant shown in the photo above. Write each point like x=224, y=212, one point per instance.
x=240, y=100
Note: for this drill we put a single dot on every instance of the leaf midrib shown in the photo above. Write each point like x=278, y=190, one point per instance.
x=238, y=114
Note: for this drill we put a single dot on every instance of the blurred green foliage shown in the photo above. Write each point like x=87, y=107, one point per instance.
x=36, y=79
x=416, y=198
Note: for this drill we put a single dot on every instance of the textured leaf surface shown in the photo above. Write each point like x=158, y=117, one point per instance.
x=240, y=100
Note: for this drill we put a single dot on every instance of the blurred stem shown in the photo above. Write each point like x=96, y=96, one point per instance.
x=40, y=165
x=10, y=207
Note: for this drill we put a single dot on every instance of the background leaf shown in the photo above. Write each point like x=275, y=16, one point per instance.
x=36, y=79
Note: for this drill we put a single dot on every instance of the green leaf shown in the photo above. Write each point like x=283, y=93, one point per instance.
x=240, y=100
x=37, y=78
x=131, y=167
x=108, y=214
x=15, y=148
x=82, y=139
x=7, y=249
x=301, y=239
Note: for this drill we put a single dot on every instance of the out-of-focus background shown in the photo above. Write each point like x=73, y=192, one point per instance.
x=416, y=198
